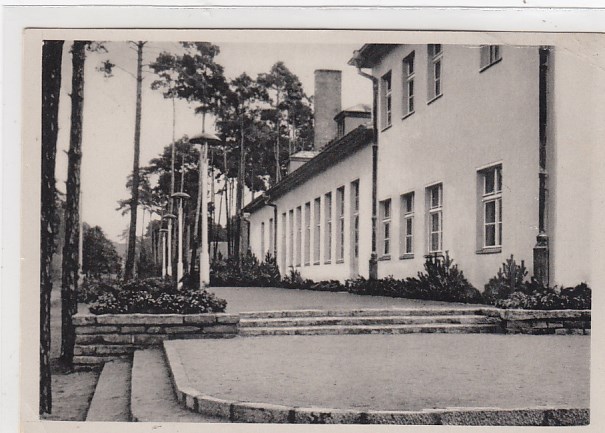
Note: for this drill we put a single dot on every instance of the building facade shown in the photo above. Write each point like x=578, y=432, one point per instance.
x=472, y=152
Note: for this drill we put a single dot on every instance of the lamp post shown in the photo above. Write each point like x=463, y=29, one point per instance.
x=169, y=217
x=204, y=140
x=180, y=196
x=164, y=233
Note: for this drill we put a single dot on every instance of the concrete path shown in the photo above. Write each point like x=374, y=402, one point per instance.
x=111, y=398
x=392, y=372
x=244, y=299
x=153, y=398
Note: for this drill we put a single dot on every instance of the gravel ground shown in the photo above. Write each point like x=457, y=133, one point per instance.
x=268, y=298
x=72, y=391
x=394, y=372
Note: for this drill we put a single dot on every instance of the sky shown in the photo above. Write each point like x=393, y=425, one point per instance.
x=109, y=112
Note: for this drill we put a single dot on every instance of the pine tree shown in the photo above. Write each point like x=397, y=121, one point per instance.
x=52, y=53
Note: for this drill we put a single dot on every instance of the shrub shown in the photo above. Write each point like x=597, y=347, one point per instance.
x=442, y=281
x=248, y=272
x=156, y=296
x=509, y=279
x=537, y=297
x=91, y=289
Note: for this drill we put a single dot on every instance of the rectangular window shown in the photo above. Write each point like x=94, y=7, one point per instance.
x=355, y=217
x=328, y=228
x=340, y=209
x=262, y=239
x=317, y=234
x=298, y=235
x=490, y=54
x=407, y=224
x=408, y=84
x=435, y=60
x=307, y=233
x=387, y=102
x=385, y=216
x=283, y=242
x=435, y=218
x=291, y=238
x=492, y=206
x=271, y=237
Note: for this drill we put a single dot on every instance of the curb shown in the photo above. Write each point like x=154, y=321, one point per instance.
x=251, y=412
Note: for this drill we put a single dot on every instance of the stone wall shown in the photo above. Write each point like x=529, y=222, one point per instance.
x=560, y=322
x=100, y=338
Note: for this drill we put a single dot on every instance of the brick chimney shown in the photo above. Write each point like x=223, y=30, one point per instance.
x=327, y=102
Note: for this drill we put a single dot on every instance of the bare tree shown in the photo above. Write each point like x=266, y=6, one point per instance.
x=52, y=53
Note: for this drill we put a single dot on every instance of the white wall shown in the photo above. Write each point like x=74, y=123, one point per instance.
x=482, y=118
x=574, y=142
x=354, y=167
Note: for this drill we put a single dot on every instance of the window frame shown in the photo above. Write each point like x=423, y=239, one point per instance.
x=340, y=210
x=355, y=218
x=291, y=238
x=435, y=210
x=407, y=236
x=317, y=231
x=488, y=197
x=409, y=75
x=435, y=63
x=298, y=255
x=489, y=55
x=385, y=228
x=328, y=228
x=262, y=238
x=386, y=83
x=307, y=243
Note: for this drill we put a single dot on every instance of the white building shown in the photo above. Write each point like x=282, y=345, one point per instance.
x=473, y=151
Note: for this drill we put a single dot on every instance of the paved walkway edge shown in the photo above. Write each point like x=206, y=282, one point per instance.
x=111, y=400
x=249, y=412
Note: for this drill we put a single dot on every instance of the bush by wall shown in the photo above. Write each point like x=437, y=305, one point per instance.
x=536, y=297
x=156, y=296
x=509, y=288
x=248, y=272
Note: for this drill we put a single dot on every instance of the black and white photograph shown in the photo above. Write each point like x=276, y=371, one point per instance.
x=313, y=227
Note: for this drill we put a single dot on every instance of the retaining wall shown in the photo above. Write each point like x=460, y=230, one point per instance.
x=558, y=322
x=101, y=338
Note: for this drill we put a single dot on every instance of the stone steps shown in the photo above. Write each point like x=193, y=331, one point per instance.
x=371, y=312
x=153, y=398
x=365, y=320
x=452, y=328
x=110, y=401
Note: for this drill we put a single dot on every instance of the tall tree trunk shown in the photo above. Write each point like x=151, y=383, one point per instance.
x=198, y=204
x=240, y=191
x=132, y=231
x=69, y=279
x=52, y=52
x=277, y=145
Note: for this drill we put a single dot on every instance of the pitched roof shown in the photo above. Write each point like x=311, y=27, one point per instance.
x=334, y=152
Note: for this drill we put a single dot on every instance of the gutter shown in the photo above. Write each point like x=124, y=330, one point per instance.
x=373, y=270
x=541, y=249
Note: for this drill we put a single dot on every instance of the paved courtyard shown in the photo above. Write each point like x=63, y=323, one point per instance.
x=394, y=372
x=268, y=299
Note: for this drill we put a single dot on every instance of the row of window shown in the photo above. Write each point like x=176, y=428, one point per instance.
x=328, y=229
x=489, y=201
x=489, y=54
